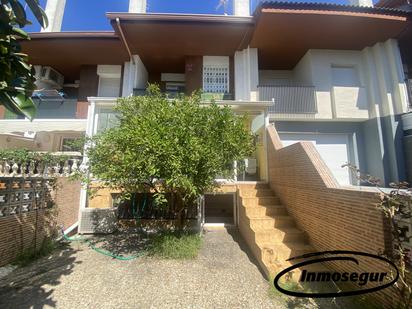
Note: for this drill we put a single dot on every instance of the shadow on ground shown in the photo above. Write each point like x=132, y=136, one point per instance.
x=122, y=243
x=25, y=287
x=237, y=237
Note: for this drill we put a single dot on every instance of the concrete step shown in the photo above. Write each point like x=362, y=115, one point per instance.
x=253, y=186
x=264, y=211
x=260, y=201
x=267, y=222
x=256, y=192
x=279, y=235
x=281, y=252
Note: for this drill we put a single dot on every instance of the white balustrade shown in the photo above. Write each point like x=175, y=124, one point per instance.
x=13, y=168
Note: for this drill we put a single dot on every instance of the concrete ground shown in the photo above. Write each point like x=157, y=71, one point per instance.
x=224, y=275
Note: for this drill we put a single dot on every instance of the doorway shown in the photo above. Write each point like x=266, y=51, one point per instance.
x=219, y=209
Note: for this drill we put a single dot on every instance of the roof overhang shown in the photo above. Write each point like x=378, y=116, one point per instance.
x=163, y=40
x=67, y=51
x=286, y=31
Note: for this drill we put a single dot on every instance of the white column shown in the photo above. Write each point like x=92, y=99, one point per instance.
x=392, y=99
x=135, y=75
x=246, y=75
x=361, y=2
x=137, y=6
x=398, y=76
x=55, y=12
x=241, y=7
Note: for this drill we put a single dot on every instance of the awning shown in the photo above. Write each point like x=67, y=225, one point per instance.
x=67, y=51
x=163, y=40
x=285, y=31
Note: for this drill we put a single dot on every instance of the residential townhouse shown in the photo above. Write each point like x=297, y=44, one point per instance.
x=330, y=74
x=325, y=73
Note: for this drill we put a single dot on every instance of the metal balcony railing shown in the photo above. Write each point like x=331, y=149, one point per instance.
x=289, y=99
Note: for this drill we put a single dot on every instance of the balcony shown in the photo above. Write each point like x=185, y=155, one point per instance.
x=289, y=101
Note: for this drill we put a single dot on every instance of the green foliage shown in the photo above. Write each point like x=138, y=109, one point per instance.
x=21, y=156
x=17, y=77
x=175, y=245
x=30, y=255
x=168, y=146
x=76, y=144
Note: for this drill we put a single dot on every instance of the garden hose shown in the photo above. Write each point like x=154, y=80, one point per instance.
x=99, y=250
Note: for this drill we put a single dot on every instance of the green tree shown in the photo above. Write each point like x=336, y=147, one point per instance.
x=17, y=77
x=170, y=147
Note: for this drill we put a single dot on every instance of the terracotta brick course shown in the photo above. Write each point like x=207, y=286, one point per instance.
x=334, y=217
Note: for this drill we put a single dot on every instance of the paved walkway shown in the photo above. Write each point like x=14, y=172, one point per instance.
x=224, y=275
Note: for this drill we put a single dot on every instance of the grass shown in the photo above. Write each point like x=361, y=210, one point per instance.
x=30, y=255
x=175, y=245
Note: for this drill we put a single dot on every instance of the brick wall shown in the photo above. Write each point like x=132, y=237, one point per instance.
x=25, y=230
x=67, y=199
x=334, y=217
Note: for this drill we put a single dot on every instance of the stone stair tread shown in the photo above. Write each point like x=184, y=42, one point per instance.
x=255, y=192
x=264, y=206
x=289, y=245
x=291, y=230
x=258, y=197
x=273, y=217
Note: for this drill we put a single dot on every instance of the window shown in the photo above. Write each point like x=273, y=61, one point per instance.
x=109, y=87
x=71, y=144
x=216, y=78
x=345, y=76
x=106, y=118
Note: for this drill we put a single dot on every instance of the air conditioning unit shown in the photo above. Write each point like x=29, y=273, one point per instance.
x=48, y=78
x=98, y=221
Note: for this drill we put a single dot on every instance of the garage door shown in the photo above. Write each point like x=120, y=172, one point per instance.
x=333, y=149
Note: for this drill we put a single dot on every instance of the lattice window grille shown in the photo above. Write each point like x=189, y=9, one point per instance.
x=216, y=79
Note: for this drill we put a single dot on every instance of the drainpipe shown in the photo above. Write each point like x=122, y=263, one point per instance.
x=55, y=12
x=119, y=26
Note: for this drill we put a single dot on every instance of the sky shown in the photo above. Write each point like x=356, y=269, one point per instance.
x=90, y=14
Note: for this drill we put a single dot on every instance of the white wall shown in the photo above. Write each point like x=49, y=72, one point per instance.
x=109, y=80
x=55, y=12
x=135, y=75
x=246, y=74
x=387, y=89
x=241, y=7
x=373, y=94
x=137, y=6
x=348, y=83
x=333, y=100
